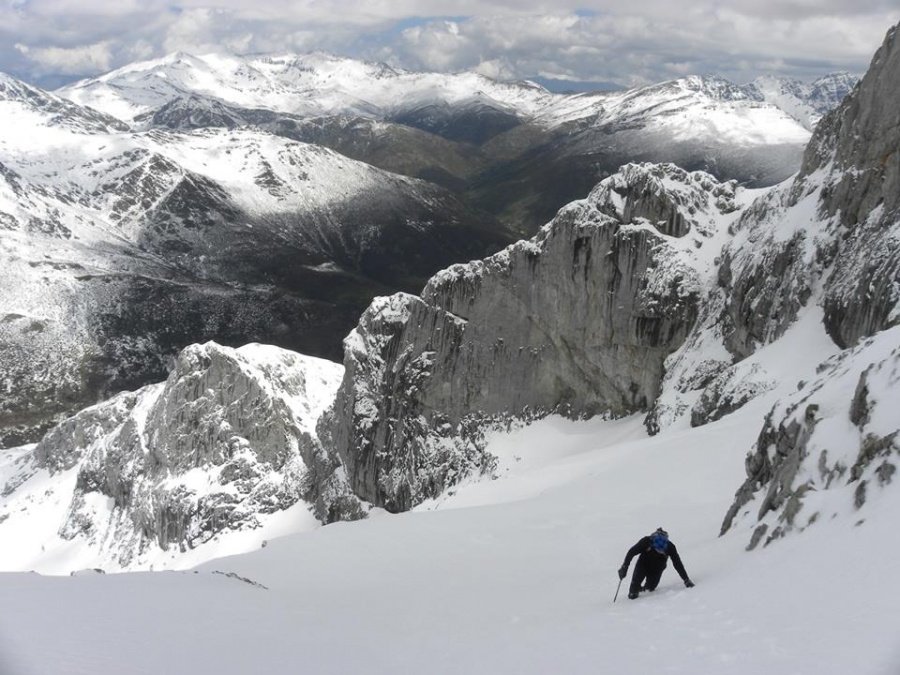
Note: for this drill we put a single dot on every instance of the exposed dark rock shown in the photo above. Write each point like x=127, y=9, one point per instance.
x=758, y=534
x=728, y=391
x=796, y=453
x=859, y=495
x=885, y=473
x=859, y=408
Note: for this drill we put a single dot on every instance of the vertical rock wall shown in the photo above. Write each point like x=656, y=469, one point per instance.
x=578, y=320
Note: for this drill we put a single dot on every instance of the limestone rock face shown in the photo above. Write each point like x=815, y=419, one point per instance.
x=578, y=320
x=838, y=221
x=827, y=241
x=768, y=270
x=827, y=449
x=228, y=438
x=858, y=142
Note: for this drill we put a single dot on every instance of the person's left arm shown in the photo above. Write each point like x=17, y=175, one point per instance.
x=679, y=566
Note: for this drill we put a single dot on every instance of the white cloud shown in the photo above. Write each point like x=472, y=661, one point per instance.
x=602, y=40
x=498, y=69
x=69, y=61
x=639, y=48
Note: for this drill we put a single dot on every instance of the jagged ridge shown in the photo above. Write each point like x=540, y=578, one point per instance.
x=228, y=439
x=578, y=320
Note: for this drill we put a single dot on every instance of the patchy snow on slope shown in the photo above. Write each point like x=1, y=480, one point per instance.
x=829, y=449
x=175, y=473
x=805, y=102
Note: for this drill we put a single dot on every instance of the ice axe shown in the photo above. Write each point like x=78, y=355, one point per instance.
x=617, y=590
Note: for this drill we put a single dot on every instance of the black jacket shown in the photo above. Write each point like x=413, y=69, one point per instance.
x=653, y=558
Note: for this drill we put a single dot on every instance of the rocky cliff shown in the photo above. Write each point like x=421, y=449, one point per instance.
x=578, y=320
x=828, y=449
x=841, y=249
x=227, y=440
x=827, y=238
x=837, y=223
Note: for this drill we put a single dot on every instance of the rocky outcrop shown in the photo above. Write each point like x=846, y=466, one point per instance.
x=578, y=320
x=838, y=222
x=728, y=391
x=769, y=268
x=227, y=439
x=822, y=451
x=858, y=143
x=827, y=238
x=858, y=147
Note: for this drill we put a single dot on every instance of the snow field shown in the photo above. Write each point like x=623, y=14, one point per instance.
x=521, y=583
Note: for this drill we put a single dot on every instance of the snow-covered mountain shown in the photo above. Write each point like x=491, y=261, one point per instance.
x=807, y=102
x=119, y=248
x=511, y=148
x=665, y=293
x=309, y=85
x=192, y=198
x=664, y=341
x=698, y=123
x=324, y=85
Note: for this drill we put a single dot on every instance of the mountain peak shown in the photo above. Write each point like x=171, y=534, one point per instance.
x=54, y=110
x=863, y=134
x=711, y=86
x=12, y=89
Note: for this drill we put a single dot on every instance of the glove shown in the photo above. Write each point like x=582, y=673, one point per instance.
x=622, y=572
x=688, y=583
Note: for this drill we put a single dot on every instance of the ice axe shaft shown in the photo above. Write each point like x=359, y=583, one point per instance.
x=617, y=590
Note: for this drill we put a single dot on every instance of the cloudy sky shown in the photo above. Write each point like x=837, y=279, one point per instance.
x=627, y=43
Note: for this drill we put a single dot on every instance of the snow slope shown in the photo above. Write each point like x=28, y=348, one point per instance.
x=521, y=583
x=515, y=574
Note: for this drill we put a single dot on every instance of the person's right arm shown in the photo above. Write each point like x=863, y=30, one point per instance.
x=642, y=545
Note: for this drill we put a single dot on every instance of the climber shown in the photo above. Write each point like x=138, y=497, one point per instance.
x=652, y=552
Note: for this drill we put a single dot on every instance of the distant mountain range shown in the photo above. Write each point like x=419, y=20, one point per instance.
x=270, y=198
